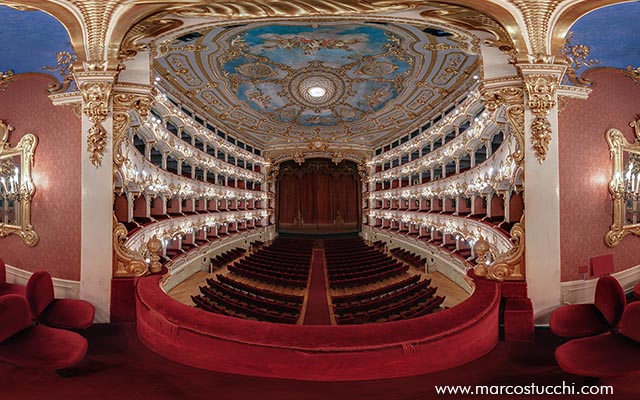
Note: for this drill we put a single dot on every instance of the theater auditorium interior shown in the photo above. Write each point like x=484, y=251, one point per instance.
x=314, y=199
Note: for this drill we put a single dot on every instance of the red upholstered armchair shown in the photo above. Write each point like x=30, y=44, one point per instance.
x=580, y=320
x=59, y=313
x=39, y=346
x=605, y=355
x=7, y=288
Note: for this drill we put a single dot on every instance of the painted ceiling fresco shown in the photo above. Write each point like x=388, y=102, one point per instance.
x=40, y=33
x=355, y=69
x=343, y=81
x=606, y=37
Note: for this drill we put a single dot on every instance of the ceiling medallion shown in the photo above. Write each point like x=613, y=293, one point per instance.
x=316, y=89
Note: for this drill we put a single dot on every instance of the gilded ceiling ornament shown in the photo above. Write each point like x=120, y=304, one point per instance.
x=6, y=78
x=469, y=19
x=64, y=67
x=633, y=73
x=275, y=78
x=292, y=8
x=337, y=157
x=148, y=28
x=577, y=58
x=95, y=95
x=537, y=16
x=541, y=91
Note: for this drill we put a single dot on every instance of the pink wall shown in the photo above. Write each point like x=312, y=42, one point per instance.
x=585, y=170
x=55, y=212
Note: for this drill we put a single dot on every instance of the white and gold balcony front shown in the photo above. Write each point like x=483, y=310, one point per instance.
x=138, y=175
x=170, y=112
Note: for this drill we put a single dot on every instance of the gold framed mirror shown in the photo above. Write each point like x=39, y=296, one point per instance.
x=624, y=185
x=16, y=185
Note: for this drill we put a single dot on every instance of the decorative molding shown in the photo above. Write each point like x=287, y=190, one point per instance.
x=618, y=186
x=577, y=58
x=64, y=67
x=537, y=17
x=512, y=96
x=24, y=150
x=6, y=78
x=510, y=264
x=583, y=291
x=125, y=261
x=123, y=103
x=541, y=83
x=96, y=96
x=633, y=73
x=63, y=288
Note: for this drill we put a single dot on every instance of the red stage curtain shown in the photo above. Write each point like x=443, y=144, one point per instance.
x=319, y=196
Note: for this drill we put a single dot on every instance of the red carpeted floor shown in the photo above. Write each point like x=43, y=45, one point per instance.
x=119, y=367
x=317, y=312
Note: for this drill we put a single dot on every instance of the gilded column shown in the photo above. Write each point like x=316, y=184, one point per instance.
x=542, y=180
x=97, y=189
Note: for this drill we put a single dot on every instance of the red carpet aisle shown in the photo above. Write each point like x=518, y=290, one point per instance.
x=317, y=308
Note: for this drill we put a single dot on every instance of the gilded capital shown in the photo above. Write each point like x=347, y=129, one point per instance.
x=541, y=84
x=95, y=97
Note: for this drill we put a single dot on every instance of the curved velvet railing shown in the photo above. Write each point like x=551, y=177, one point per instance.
x=417, y=346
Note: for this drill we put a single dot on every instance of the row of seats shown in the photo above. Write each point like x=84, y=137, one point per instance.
x=418, y=304
x=285, y=262
x=409, y=257
x=241, y=295
x=33, y=324
x=384, y=299
x=228, y=256
x=222, y=303
x=290, y=298
x=369, y=294
x=350, y=262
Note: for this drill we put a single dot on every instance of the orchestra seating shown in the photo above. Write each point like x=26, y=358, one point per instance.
x=228, y=256
x=408, y=257
x=284, y=263
x=350, y=263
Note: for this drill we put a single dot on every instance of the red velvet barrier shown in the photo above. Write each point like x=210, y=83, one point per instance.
x=322, y=353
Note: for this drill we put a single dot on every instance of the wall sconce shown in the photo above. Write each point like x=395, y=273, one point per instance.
x=624, y=185
x=16, y=186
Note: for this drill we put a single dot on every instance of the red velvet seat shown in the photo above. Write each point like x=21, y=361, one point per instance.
x=607, y=355
x=8, y=288
x=580, y=320
x=636, y=291
x=59, y=313
x=39, y=346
